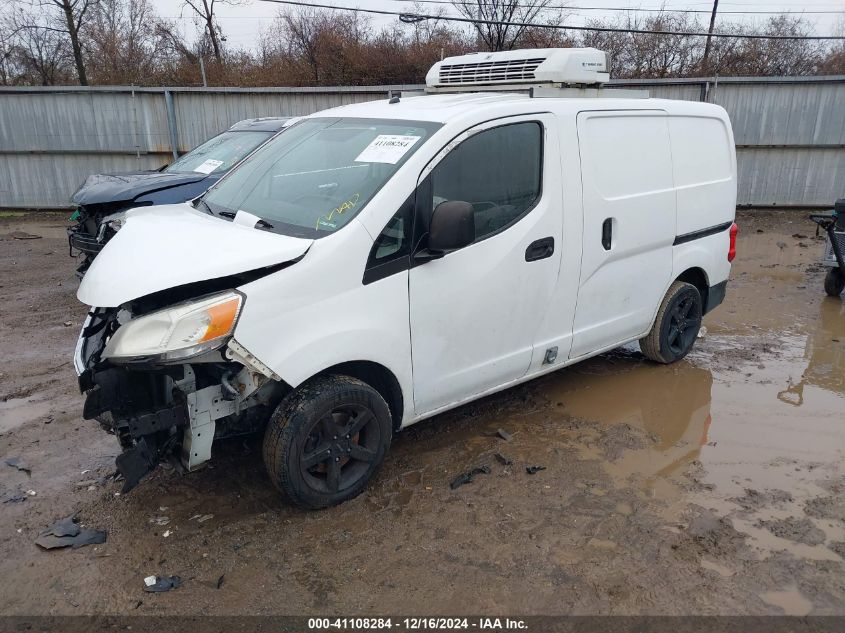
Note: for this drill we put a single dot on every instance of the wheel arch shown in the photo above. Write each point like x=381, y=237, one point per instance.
x=698, y=278
x=379, y=378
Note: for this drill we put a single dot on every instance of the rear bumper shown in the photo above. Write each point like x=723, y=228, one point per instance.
x=715, y=295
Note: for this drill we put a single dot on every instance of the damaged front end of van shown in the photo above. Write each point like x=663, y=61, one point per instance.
x=160, y=367
x=169, y=382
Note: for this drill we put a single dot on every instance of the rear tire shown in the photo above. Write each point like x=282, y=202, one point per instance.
x=326, y=439
x=676, y=326
x=834, y=282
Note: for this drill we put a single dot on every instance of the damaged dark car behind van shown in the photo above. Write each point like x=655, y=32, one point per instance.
x=103, y=199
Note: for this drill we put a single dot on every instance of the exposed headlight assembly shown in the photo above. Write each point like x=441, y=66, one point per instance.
x=176, y=333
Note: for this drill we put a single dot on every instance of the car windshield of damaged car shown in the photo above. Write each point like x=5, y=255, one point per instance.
x=220, y=153
x=313, y=179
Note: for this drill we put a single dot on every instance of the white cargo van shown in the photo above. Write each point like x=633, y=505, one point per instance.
x=379, y=263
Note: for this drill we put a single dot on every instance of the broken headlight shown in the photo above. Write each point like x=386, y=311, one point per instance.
x=176, y=333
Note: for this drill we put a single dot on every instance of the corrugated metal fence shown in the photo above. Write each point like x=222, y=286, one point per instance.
x=790, y=132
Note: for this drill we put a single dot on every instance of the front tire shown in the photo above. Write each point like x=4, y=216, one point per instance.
x=326, y=439
x=834, y=282
x=676, y=326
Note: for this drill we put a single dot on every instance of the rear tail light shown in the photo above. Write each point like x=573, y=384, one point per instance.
x=732, y=247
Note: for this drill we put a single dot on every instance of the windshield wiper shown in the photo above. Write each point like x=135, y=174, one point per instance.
x=205, y=206
x=264, y=224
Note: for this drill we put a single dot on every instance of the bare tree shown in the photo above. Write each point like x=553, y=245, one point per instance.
x=37, y=52
x=204, y=11
x=328, y=44
x=7, y=37
x=73, y=14
x=125, y=41
x=493, y=17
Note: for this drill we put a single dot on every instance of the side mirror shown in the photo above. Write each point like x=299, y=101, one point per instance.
x=452, y=226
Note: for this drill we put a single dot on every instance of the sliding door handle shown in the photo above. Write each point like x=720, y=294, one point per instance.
x=607, y=234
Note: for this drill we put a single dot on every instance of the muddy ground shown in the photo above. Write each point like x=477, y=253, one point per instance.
x=713, y=486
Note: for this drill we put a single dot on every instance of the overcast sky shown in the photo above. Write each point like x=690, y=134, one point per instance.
x=242, y=24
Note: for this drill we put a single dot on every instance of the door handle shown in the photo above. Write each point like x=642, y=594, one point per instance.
x=607, y=233
x=540, y=249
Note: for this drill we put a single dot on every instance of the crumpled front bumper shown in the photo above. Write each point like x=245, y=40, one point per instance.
x=157, y=411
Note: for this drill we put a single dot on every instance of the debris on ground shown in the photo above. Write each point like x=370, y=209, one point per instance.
x=67, y=533
x=160, y=520
x=15, y=497
x=504, y=435
x=20, y=464
x=503, y=460
x=466, y=478
x=220, y=580
x=534, y=469
x=161, y=584
x=23, y=235
x=201, y=518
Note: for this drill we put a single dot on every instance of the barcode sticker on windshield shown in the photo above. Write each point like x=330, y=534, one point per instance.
x=386, y=148
x=208, y=166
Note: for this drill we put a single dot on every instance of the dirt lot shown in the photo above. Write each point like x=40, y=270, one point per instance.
x=716, y=485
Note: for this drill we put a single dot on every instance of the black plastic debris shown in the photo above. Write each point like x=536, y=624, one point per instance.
x=503, y=460
x=17, y=462
x=467, y=477
x=220, y=580
x=504, y=435
x=67, y=533
x=534, y=469
x=16, y=497
x=161, y=584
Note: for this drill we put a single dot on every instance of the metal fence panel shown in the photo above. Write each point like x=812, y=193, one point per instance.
x=82, y=122
x=201, y=115
x=789, y=176
x=785, y=114
x=48, y=180
x=790, y=132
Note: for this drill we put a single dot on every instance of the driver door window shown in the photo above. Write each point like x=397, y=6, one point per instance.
x=498, y=171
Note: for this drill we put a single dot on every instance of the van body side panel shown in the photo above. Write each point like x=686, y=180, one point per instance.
x=705, y=177
x=556, y=328
x=708, y=253
x=317, y=313
x=628, y=192
x=475, y=311
x=703, y=170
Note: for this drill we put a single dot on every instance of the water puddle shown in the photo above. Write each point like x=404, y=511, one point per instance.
x=743, y=414
x=16, y=412
x=791, y=601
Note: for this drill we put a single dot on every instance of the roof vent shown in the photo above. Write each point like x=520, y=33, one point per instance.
x=582, y=66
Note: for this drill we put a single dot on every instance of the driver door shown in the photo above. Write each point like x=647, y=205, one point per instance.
x=475, y=311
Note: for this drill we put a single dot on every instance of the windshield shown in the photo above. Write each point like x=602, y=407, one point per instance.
x=220, y=153
x=313, y=179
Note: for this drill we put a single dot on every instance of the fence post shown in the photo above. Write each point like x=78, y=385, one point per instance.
x=171, y=124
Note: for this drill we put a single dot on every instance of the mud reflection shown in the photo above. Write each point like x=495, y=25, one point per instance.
x=825, y=353
x=669, y=404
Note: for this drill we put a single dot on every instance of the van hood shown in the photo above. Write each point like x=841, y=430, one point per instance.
x=166, y=246
x=102, y=188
